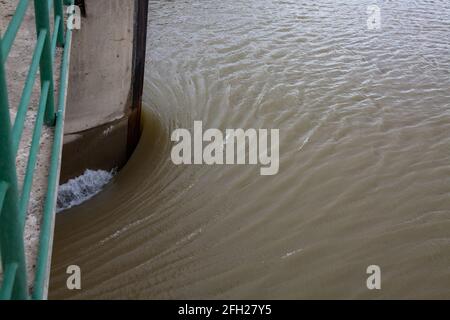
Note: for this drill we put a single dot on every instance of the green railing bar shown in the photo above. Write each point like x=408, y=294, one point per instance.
x=3, y=188
x=58, y=6
x=55, y=35
x=28, y=182
x=11, y=234
x=27, y=91
x=13, y=28
x=8, y=281
x=46, y=63
x=50, y=201
x=59, y=12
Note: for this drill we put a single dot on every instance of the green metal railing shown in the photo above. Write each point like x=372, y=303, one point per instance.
x=14, y=202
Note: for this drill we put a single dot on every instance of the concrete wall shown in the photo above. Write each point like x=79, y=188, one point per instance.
x=101, y=65
x=100, y=88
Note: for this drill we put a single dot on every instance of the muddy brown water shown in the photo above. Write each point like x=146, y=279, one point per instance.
x=364, y=119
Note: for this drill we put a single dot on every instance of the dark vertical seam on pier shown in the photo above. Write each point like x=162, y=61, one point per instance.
x=139, y=51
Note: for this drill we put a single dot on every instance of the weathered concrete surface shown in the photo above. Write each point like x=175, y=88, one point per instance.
x=17, y=67
x=100, y=73
x=104, y=147
x=100, y=88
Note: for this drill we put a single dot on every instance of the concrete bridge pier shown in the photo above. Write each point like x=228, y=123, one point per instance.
x=102, y=125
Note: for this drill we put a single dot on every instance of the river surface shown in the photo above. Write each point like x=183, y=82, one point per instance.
x=364, y=179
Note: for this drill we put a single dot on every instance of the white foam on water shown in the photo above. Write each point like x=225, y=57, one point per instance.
x=80, y=189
